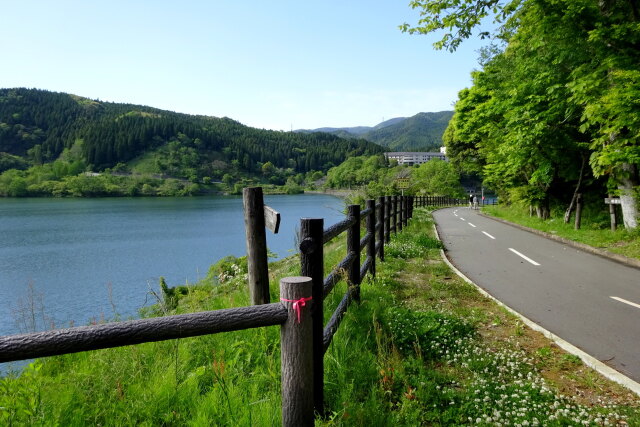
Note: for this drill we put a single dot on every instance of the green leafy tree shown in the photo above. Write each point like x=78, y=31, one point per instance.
x=564, y=89
x=436, y=177
x=268, y=169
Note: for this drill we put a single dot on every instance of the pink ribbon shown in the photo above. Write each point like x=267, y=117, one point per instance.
x=297, y=305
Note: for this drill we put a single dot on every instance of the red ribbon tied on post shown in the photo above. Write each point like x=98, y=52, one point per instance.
x=298, y=304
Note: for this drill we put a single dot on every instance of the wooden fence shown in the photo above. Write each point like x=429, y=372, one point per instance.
x=304, y=338
x=389, y=215
x=421, y=201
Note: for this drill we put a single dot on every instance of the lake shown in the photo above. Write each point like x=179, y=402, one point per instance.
x=91, y=259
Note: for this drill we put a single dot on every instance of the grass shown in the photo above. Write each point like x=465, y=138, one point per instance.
x=593, y=232
x=422, y=348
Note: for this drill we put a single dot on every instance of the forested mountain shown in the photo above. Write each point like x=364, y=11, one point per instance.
x=36, y=126
x=422, y=132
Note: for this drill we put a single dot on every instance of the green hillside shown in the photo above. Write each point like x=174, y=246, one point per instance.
x=37, y=126
x=422, y=132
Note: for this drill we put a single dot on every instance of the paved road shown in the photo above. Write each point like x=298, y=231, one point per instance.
x=591, y=302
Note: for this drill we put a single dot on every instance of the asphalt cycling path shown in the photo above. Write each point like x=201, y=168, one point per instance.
x=589, y=301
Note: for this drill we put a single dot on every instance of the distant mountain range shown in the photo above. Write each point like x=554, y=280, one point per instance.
x=422, y=132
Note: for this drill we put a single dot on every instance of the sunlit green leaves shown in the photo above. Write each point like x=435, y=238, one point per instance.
x=458, y=19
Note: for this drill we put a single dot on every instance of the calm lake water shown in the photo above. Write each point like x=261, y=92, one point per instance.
x=79, y=255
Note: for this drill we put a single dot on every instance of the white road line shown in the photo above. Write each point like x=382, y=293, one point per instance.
x=471, y=225
x=523, y=256
x=488, y=235
x=626, y=302
x=461, y=218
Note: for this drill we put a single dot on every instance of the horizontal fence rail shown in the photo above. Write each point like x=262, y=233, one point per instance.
x=337, y=274
x=334, y=322
x=337, y=229
x=118, y=334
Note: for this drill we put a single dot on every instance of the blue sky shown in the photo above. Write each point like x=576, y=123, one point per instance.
x=274, y=65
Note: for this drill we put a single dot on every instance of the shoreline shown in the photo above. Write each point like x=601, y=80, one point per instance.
x=343, y=194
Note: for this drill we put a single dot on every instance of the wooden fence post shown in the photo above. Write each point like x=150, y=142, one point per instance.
x=387, y=219
x=578, y=211
x=612, y=214
x=257, y=261
x=400, y=207
x=381, y=234
x=353, y=248
x=312, y=265
x=394, y=218
x=405, y=207
x=371, y=230
x=296, y=353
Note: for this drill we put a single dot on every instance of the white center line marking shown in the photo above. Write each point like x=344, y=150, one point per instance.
x=471, y=225
x=523, y=256
x=626, y=302
x=489, y=235
x=462, y=218
x=455, y=214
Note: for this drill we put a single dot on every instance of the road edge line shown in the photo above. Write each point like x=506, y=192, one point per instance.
x=605, y=370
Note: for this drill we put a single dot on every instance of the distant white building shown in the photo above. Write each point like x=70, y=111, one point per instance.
x=414, y=158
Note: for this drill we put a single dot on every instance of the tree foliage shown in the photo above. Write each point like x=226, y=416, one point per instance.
x=436, y=177
x=374, y=176
x=565, y=89
x=457, y=19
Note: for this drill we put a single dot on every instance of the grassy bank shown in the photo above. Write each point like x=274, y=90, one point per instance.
x=593, y=232
x=422, y=348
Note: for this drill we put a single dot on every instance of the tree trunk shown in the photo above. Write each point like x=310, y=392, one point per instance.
x=542, y=209
x=567, y=214
x=627, y=181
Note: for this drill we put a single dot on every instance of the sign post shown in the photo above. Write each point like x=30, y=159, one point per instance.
x=612, y=202
x=403, y=183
